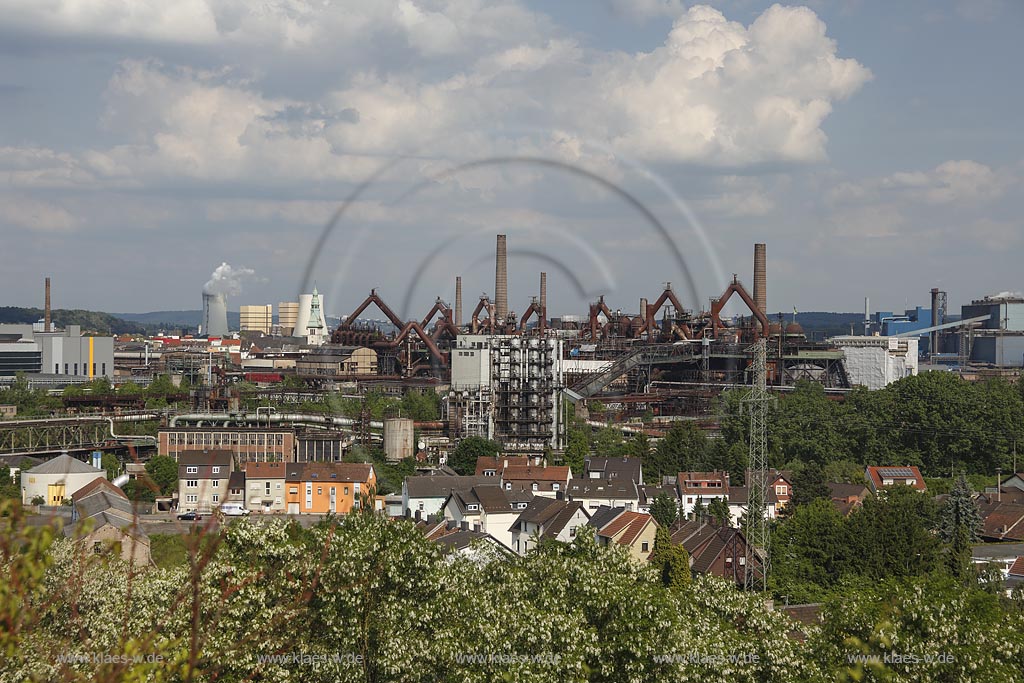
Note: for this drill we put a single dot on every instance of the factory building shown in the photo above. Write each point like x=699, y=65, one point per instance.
x=256, y=318
x=998, y=341
x=24, y=348
x=876, y=362
x=508, y=388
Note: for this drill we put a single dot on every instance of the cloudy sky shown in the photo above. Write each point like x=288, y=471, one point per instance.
x=875, y=146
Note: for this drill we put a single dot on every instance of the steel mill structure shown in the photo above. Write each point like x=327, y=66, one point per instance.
x=663, y=353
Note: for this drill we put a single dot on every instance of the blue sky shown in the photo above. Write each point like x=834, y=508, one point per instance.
x=875, y=146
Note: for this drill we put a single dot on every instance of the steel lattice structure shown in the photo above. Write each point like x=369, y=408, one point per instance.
x=756, y=527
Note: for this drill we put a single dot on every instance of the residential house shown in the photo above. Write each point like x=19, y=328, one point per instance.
x=633, y=530
x=1001, y=520
x=847, y=497
x=319, y=488
x=739, y=503
x=57, y=480
x=110, y=518
x=714, y=549
x=486, y=466
x=1015, y=481
x=780, y=483
x=236, y=488
x=203, y=478
x=540, y=480
x=423, y=496
x=614, y=493
x=883, y=477
x=486, y=508
x=648, y=492
x=264, y=484
x=613, y=468
x=700, y=487
x=476, y=545
x=547, y=518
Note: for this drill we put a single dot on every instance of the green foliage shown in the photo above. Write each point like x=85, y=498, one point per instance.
x=665, y=510
x=960, y=511
x=670, y=562
x=10, y=487
x=112, y=465
x=168, y=550
x=684, y=448
x=90, y=321
x=34, y=402
x=809, y=484
x=809, y=552
x=142, y=490
x=421, y=406
x=163, y=471
x=463, y=458
x=718, y=510
x=577, y=445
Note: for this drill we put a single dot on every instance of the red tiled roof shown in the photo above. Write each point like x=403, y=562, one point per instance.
x=695, y=477
x=1017, y=569
x=97, y=484
x=631, y=524
x=875, y=475
x=265, y=470
x=535, y=473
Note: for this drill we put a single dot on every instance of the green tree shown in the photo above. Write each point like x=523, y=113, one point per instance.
x=810, y=554
x=892, y=534
x=670, y=561
x=463, y=458
x=163, y=471
x=665, y=510
x=959, y=525
x=112, y=465
x=718, y=510
x=809, y=484
x=684, y=449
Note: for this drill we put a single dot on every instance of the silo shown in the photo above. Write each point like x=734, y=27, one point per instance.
x=398, y=438
x=215, y=314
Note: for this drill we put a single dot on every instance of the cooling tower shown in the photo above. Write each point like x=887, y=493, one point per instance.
x=501, y=280
x=215, y=315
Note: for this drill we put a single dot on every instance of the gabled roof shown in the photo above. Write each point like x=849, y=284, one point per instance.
x=236, y=480
x=64, y=464
x=691, y=483
x=609, y=489
x=1017, y=568
x=877, y=475
x=434, y=486
x=218, y=458
x=649, y=492
x=628, y=526
x=1002, y=521
x=344, y=472
x=549, y=514
x=604, y=516
x=843, y=491
x=613, y=468
x=265, y=470
x=535, y=473
x=96, y=485
x=740, y=495
x=499, y=463
x=490, y=498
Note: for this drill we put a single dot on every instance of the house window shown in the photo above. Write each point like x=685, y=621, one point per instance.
x=780, y=490
x=104, y=368
x=728, y=562
x=572, y=532
x=268, y=488
x=191, y=470
x=508, y=486
x=294, y=490
x=319, y=490
x=689, y=501
x=192, y=483
x=645, y=547
x=191, y=498
x=279, y=485
x=743, y=561
x=346, y=493
x=216, y=497
x=216, y=470
x=421, y=502
x=535, y=487
x=555, y=487
x=472, y=506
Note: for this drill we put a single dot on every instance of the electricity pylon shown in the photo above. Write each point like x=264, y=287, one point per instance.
x=757, y=531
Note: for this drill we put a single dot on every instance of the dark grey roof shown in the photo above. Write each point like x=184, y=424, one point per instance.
x=103, y=500
x=442, y=486
x=22, y=462
x=649, y=492
x=219, y=458
x=603, y=488
x=604, y=516
x=460, y=540
x=64, y=464
x=614, y=468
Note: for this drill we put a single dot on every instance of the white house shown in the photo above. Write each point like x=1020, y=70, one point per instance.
x=546, y=518
x=489, y=509
x=425, y=496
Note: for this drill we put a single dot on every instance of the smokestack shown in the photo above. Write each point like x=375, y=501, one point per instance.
x=501, y=281
x=458, y=301
x=867, y=316
x=760, y=278
x=643, y=309
x=543, y=300
x=933, y=346
x=46, y=306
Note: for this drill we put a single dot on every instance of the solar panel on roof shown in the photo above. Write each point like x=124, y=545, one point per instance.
x=896, y=472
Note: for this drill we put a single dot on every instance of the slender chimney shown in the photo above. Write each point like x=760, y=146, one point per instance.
x=544, y=293
x=46, y=305
x=933, y=341
x=501, y=281
x=760, y=278
x=458, y=301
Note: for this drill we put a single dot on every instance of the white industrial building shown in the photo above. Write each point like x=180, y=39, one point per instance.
x=508, y=388
x=26, y=348
x=57, y=480
x=876, y=362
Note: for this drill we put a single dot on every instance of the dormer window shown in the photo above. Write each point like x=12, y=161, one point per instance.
x=508, y=486
x=472, y=506
x=191, y=470
x=535, y=487
x=555, y=487
x=216, y=470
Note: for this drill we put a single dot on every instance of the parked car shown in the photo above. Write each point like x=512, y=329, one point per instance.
x=233, y=510
x=191, y=516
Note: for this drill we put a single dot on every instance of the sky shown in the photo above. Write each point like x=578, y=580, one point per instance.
x=875, y=147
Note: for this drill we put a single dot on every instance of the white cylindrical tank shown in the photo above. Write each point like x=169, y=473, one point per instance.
x=398, y=438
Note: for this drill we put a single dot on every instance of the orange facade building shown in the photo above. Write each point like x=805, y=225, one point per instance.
x=320, y=488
